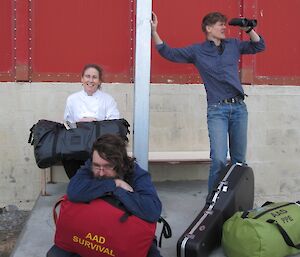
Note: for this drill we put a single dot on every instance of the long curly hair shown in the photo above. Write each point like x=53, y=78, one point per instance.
x=112, y=148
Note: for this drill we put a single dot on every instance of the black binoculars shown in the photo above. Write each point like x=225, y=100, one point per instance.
x=242, y=22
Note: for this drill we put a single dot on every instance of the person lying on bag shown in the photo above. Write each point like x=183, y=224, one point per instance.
x=112, y=172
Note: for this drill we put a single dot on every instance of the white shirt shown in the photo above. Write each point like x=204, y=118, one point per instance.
x=100, y=105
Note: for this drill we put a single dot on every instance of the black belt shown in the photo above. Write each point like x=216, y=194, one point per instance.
x=233, y=100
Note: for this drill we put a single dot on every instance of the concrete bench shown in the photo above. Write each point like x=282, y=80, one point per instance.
x=174, y=157
x=179, y=157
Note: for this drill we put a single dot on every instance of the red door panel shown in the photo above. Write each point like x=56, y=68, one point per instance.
x=68, y=34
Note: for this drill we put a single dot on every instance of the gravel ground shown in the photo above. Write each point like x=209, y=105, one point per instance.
x=11, y=224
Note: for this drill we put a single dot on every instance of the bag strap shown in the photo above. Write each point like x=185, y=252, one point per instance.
x=245, y=213
x=98, y=129
x=55, y=206
x=30, y=139
x=166, y=230
x=118, y=204
x=110, y=200
x=267, y=203
x=126, y=125
x=56, y=130
x=284, y=234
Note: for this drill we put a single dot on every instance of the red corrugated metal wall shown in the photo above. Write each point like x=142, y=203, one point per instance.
x=51, y=40
x=7, y=41
x=68, y=34
x=280, y=64
x=180, y=25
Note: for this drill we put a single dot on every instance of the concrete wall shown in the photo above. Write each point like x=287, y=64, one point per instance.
x=178, y=122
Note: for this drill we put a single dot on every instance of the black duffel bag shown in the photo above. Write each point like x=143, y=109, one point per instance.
x=53, y=142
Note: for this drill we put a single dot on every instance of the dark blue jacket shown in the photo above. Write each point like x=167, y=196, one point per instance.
x=143, y=202
x=219, y=72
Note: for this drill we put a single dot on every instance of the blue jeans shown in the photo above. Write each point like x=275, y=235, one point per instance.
x=227, y=126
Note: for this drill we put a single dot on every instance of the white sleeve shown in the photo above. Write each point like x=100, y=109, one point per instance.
x=68, y=112
x=112, y=111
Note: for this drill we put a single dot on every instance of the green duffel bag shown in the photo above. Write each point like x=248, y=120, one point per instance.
x=272, y=230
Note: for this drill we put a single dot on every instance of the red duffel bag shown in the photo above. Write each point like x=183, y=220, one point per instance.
x=101, y=228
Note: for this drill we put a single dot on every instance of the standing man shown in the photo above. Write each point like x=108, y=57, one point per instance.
x=112, y=172
x=217, y=60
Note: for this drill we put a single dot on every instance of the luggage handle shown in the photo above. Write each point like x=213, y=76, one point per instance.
x=123, y=218
x=166, y=230
x=55, y=206
x=284, y=234
x=30, y=139
x=267, y=203
x=245, y=213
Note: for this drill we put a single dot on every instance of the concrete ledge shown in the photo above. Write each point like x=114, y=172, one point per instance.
x=172, y=157
x=179, y=157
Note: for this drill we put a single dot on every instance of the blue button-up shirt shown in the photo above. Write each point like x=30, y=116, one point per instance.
x=219, y=72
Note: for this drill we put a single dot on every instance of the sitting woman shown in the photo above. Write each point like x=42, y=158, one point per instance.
x=89, y=104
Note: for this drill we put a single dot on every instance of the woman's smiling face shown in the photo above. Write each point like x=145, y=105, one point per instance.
x=90, y=81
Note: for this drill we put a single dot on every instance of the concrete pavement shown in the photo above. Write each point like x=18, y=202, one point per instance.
x=182, y=201
x=181, y=204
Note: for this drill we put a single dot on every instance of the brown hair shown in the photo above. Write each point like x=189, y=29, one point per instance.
x=211, y=19
x=112, y=148
x=95, y=66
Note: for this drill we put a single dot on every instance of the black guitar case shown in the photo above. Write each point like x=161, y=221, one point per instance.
x=234, y=192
